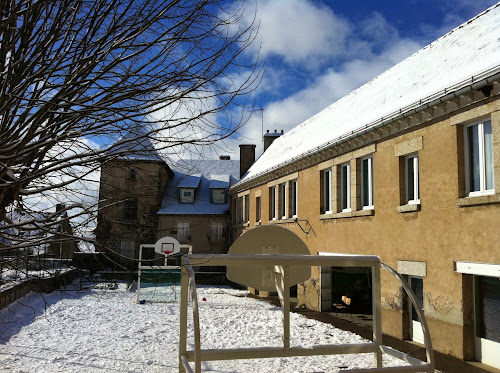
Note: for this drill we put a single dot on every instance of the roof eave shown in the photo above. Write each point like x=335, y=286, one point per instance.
x=488, y=77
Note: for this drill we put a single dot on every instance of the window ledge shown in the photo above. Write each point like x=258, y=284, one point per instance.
x=284, y=221
x=478, y=200
x=347, y=214
x=409, y=208
x=241, y=225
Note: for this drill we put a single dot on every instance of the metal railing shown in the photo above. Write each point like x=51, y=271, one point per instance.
x=282, y=265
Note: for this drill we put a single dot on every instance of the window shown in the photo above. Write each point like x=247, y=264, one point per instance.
x=218, y=196
x=345, y=187
x=367, y=183
x=133, y=174
x=487, y=306
x=272, y=203
x=246, y=202
x=217, y=233
x=282, y=201
x=412, y=180
x=239, y=210
x=417, y=285
x=186, y=195
x=127, y=247
x=183, y=234
x=258, y=202
x=326, y=191
x=293, y=198
x=479, y=159
x=130, y=209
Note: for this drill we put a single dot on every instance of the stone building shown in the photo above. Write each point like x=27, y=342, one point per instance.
x=141, y=199
x=406, y=167
x=130, y=194
x=195, y=208
x=63, y=243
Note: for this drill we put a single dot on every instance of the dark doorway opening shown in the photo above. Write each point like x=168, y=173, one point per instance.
x=356, y=284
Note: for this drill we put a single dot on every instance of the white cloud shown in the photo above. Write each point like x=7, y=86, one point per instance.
x=327, y=88
x=298, y=31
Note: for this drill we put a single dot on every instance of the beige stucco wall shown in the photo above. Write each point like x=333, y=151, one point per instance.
x=445, y=229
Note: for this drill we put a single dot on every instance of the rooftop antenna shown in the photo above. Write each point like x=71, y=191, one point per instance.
x=262, y=122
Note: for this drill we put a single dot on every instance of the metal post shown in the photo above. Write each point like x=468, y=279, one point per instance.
x=183, y=314
x=139, y=276
x=377, y=314
x=196, y=322
x=282, y=280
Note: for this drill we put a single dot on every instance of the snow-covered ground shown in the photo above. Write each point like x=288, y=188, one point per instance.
x=103, y=330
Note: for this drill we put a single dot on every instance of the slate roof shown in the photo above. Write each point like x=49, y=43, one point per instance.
x=138, y=147
x=190, y=181
x=210, y=174
x=220, y=181
x=464, y=56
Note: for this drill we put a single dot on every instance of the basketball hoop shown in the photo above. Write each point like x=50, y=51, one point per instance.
x=167, y=246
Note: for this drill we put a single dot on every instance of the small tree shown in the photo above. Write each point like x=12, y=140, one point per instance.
x=77, y=75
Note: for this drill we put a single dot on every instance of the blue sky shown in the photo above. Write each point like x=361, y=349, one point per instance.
x=315, y=52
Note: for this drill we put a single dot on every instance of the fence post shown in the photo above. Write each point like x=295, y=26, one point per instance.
x=183, y=314
x=377, y=314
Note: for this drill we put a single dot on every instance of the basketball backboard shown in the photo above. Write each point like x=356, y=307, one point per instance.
x=267, y=239
x=167, y=246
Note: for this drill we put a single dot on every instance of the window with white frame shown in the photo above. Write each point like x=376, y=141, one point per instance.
x=326, y=191
x=293, y=198
x=367, y=183
x=183, y=233
x=479, y=158
x=282, y=201
x=272, y=203
x=258, y=206
x=412, y=179
x=345, y=187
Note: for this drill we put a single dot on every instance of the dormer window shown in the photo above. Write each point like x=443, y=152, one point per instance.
x=218, y=185
x=187, y=188
x=218, y=196
x=186, y=195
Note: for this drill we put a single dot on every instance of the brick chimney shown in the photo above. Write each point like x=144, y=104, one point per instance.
x=247, y=158
x=269, y=137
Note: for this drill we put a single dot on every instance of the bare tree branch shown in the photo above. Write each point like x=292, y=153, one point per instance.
x=77, y=75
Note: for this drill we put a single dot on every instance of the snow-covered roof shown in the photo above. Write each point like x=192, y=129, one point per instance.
x=190, y=181
x=138, y=147
x=211, y=174
x=465, y=55
x=219, y=181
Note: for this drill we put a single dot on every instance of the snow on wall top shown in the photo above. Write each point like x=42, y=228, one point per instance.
x=445, y=65
x=210, y=171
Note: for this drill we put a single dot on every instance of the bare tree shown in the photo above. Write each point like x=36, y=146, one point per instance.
x=77, y=75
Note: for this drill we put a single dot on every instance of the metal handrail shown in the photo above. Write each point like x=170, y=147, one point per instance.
x=196, y=314
x=418, y=308
x=188, y=287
